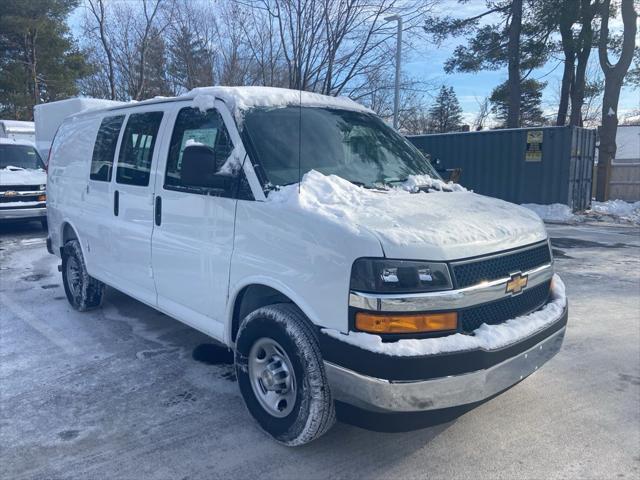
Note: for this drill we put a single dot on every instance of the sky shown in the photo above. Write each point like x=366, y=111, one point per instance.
x=425, y=62
x=428, y=63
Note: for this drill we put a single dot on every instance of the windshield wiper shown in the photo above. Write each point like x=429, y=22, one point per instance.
x=13, y=167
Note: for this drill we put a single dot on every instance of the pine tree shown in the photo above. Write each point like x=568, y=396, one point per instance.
x=39, y=60
x=190, y=61
x=445, y=115
x=531, y=114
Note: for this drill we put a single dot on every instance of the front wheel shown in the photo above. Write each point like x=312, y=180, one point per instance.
x=281, y=375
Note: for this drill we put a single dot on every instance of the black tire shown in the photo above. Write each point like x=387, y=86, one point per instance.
x=313, y=412
x=83, y=291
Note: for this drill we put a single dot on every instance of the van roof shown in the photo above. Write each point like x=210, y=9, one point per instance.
x=243, y=98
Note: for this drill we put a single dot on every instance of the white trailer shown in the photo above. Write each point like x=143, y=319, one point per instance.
x=49, y=116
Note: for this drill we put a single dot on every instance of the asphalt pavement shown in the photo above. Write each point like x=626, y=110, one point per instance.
x=125, y=392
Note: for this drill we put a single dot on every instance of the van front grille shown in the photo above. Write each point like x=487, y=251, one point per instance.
x=502, y=310
x=20, y=188
x=474, y=272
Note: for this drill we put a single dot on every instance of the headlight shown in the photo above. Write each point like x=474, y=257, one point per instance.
x=379, y=275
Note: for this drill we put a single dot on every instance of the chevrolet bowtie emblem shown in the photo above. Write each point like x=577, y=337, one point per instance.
x=517, y=283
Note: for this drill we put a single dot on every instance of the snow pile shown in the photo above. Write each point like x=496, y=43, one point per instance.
x=487, y=337
x=399, y=217
x=556, y=212
x=416, y=182
x=615, y=210
x=618, y=209
x=239, y=99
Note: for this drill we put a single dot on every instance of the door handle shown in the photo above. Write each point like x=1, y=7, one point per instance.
x=158, y=210
x=116, y=203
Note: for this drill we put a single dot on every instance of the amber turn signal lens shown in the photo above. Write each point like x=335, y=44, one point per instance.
x=42, y=198
x=398, y=323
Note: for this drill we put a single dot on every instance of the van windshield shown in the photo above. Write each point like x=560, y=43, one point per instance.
x=356, y=146
x=21, y=157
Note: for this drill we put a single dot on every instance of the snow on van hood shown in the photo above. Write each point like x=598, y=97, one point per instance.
x=9, y=176
x=438, y=225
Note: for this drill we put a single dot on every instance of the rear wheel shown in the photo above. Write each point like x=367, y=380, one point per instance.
x=83, y=291
x=281, y=375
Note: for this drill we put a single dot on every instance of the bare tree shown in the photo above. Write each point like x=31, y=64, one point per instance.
x=97, y=9
x=614, y=74
x=484, y=111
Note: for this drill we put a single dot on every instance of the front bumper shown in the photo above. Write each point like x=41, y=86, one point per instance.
x=22, y=213
x=462, y=378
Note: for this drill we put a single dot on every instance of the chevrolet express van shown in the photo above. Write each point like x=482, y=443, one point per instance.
x=23, y=182
x=312, y=239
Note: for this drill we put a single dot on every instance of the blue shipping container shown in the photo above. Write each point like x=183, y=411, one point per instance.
x=523, y=165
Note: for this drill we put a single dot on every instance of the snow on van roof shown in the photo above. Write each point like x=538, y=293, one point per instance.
x=239, y=99
x=244, y=98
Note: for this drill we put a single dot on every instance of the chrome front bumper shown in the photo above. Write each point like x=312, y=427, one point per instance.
x=381, y=395
x=18, y=213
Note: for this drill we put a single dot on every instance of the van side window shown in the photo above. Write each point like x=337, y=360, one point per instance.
x=195, y=127
x=136, y=150
x=105, y=148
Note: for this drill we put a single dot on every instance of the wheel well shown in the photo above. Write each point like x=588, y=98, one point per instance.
x=251, y=298
x=68, y=233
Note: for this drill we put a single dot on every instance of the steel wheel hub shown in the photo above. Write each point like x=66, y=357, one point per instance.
x=272, y=377
x=74, y=276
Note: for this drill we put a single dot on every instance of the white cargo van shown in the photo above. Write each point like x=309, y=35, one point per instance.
x=312, y=239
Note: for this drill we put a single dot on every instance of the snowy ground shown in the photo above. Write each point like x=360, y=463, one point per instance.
x=120, y=392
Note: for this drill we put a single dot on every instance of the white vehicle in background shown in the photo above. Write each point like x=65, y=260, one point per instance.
x=316, y=242
x=49, y=116
x=23, y=182
x=17, y=130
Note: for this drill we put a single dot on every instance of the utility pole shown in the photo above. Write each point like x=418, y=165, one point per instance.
x=396, y=97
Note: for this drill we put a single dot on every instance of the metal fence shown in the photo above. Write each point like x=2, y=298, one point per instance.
x=524, y=165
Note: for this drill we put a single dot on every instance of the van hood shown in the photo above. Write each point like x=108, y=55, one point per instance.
x=9, y=176
x=415, y=224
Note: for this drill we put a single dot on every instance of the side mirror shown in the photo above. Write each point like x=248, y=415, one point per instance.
x=199, y=168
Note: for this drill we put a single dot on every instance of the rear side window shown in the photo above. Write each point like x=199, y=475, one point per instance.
x=105, y=148
x=136, y=150
x=196, y=127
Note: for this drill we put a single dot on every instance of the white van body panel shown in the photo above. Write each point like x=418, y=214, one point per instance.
x=309, y=262
x=67, y=179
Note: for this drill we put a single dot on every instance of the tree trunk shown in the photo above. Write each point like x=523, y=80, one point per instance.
x=585, y=43
x=567, y=19
x=565, y=90
x=513, y=118
x=613, y=78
